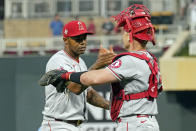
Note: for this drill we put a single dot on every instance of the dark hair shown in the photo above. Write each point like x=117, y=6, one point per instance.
x=143, y=42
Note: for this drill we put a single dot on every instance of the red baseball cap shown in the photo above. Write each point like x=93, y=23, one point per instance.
x=75, y=28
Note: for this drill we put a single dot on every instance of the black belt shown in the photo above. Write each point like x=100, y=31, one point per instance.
x=73, y=122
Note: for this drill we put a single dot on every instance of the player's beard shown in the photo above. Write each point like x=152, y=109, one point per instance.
x=81, y=50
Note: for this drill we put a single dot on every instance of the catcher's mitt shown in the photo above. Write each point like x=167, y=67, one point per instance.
x=54, y=77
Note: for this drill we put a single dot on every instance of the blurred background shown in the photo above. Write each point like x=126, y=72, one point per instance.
x=30, y=32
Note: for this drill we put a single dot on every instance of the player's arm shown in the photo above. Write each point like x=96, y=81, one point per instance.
x=104, y=58
x=94, y=77
x=95, y=99
x=76, y=88
x=83, y=79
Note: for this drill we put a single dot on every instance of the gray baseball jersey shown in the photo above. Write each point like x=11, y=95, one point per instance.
x=67, y=105
x=133, y=74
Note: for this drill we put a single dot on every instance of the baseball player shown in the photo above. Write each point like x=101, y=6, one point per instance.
x=64, y=110
x=134, y=75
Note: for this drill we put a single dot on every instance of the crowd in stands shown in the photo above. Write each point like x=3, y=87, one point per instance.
x=56, y=26
x=107, y=27
x=185, y=16
x=187, y=13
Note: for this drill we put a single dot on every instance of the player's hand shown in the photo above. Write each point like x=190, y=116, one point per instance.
x=104, y=50
x=105, y=57
x=54, y=77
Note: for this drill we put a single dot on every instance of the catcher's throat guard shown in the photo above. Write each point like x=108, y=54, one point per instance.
x=136, y=20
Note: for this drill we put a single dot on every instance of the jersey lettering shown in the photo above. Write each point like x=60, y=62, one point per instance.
x=116, y=64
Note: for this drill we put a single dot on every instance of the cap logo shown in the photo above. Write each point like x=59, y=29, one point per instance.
x=80, y=26
x=66, y=31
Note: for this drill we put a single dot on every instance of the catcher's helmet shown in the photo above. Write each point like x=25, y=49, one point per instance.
x=136, y=20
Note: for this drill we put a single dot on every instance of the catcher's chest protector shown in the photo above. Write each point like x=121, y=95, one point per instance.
x=118, y=95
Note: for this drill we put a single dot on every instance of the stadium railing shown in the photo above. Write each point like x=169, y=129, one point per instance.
x=42, y=46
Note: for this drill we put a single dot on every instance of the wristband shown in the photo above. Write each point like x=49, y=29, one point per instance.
x=75, y=77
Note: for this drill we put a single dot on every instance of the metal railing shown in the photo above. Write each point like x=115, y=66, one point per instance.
x=41, y=46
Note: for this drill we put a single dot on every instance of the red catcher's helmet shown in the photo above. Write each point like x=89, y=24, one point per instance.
x=136, y=20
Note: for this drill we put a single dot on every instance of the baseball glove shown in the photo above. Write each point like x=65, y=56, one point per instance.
x=54, y=77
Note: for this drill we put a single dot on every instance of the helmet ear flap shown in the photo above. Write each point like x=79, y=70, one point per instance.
x=129, y=29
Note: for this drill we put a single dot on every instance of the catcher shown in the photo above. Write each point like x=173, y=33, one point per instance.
x=134, y=75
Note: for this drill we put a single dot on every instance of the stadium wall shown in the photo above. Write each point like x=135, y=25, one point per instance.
x=25, y=28
x=22, y=99
x=178, y=72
